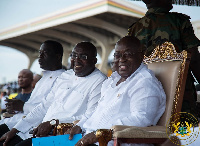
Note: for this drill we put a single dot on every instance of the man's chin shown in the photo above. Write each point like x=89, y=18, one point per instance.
x=124, y=73
x=78, y=72
x=43, y=67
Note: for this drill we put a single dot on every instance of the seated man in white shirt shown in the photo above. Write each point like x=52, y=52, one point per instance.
x=50, y=59
x=76, y=92
x=131, y=96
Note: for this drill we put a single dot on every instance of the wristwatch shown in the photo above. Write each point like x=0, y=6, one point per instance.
x=53, y=122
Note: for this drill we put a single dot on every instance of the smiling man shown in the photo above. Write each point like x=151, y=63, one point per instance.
x=75, y=94
x=83, y=60
x=131, y=96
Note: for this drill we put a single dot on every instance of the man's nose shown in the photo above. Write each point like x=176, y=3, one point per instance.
x=122, y=58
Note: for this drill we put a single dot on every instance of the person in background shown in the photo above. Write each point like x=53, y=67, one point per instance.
x=159, y=25
x=25, y=79
x=50, y=60
x=132, y=96
x=36, y=78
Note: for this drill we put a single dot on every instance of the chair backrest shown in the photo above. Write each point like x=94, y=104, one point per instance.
x=171, y=70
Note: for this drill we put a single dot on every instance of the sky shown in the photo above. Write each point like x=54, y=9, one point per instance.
x=17, y=11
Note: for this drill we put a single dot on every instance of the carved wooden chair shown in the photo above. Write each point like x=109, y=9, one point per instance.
x=171, y=69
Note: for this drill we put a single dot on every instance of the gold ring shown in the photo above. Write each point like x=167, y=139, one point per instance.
x=81, y=142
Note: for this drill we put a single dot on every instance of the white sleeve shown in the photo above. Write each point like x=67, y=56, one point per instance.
x=28, y=107
x=92, y=104
x=35, y=117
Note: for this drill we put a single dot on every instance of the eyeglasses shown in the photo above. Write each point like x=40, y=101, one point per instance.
x=74, y=56
x=126, y=55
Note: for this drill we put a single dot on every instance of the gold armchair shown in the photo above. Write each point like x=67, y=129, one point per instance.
x=171, y=69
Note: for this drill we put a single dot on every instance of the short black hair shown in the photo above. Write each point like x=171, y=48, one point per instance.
x=57, y=47
x=90, y=47
x=131, y=41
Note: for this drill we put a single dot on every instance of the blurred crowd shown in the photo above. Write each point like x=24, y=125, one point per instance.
x=10, y=87
x=8, y=90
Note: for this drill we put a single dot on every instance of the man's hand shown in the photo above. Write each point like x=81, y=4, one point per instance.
x=87, y=139
x=8, y=136
x=14, y=105
x=75, y=130
x=43, y=129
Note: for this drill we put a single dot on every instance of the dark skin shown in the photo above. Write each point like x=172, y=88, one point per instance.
x=13, y=105
x=25, y=79
x=114, y=66
x=90, y=138
x=125, y=66
x=43, y=129
x=82, y=68
x=128, y=65
x=8, y=136
x=167, y=4
x=86, y=140
x=48, y=60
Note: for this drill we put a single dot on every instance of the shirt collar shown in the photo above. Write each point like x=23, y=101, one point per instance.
x=156, y=10
x=52, y=72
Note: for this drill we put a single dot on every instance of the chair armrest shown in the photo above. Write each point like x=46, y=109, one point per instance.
x=139, y=132
x=131, y=132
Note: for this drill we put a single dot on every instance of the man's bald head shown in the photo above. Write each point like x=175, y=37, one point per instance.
x=25, y=78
